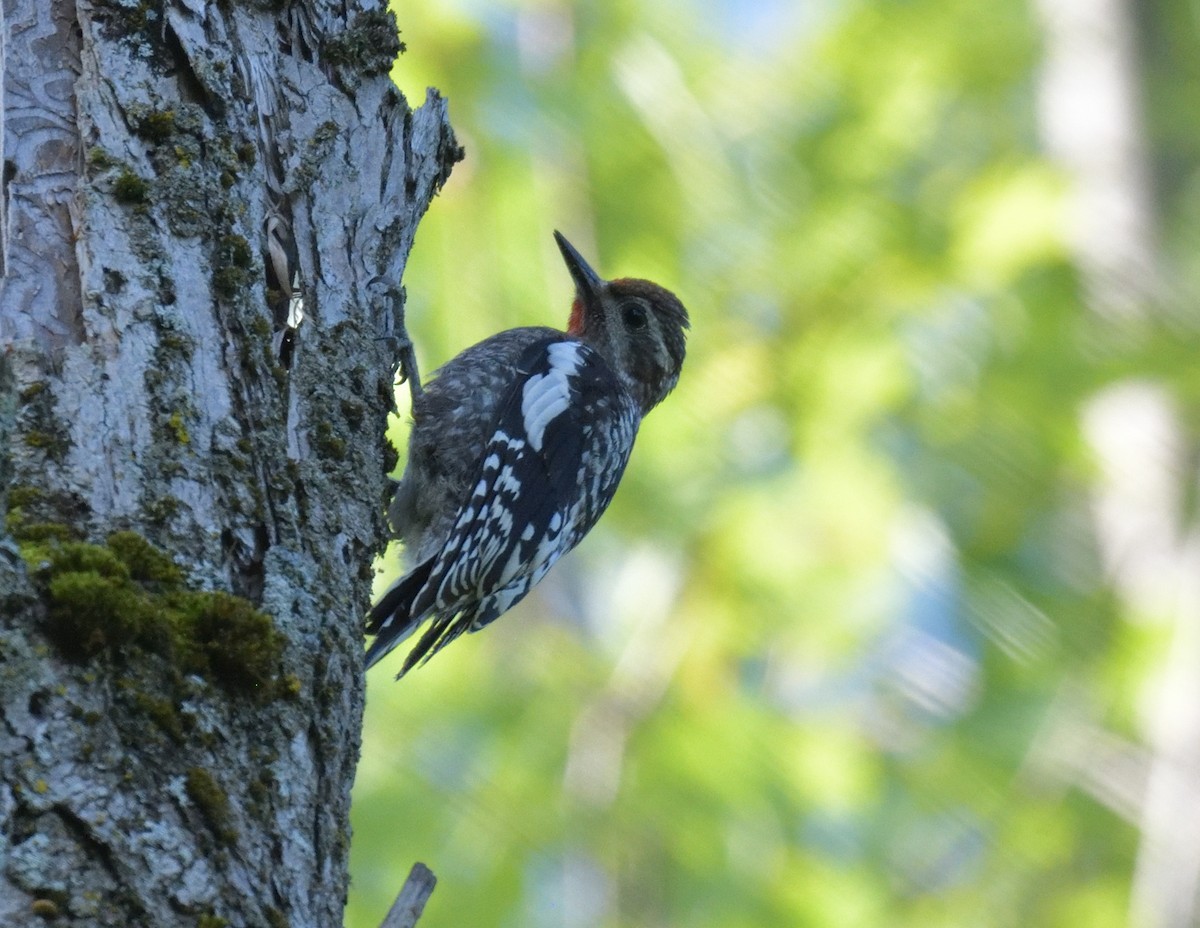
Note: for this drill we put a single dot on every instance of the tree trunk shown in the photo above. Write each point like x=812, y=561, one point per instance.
x=207, y=209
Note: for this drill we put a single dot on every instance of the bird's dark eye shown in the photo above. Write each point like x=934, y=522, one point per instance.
x=633, y=315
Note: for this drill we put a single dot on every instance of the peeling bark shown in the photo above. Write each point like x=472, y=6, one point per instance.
x=183, y=182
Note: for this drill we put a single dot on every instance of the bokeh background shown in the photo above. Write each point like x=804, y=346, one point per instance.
x=895, y=619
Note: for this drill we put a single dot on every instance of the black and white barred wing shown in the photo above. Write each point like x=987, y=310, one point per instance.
x=561, y=443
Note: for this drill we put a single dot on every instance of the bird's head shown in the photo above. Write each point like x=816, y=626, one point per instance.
x=637, y=326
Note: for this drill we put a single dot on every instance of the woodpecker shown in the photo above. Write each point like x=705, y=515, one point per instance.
x=517, y=447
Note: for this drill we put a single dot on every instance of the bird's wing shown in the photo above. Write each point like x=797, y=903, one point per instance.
x=558, y=449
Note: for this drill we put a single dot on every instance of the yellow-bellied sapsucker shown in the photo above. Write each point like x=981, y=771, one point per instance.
x=516, y=449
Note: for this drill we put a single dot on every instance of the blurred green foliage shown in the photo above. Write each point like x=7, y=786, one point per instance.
x=807, y=670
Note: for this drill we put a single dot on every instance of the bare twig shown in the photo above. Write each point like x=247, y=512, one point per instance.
x=413, y=895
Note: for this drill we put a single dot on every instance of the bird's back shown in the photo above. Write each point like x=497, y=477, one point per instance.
x=453, y=418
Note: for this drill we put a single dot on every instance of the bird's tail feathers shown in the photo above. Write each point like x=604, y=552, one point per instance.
x=391, y=620
x=442, y=630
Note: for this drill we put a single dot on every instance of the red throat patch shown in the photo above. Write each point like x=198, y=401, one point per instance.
x=575, y=323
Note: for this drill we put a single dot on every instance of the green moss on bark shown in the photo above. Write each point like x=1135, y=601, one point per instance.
x=128, y=594
x=369, y=46
x=131, y=189
x=212, y=802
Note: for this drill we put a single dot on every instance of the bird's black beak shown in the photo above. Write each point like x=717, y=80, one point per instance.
x=587, y=281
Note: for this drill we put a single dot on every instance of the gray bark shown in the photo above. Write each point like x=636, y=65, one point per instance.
x=170, y=170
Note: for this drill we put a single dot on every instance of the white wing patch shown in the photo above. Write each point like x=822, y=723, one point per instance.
x=548, y=395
